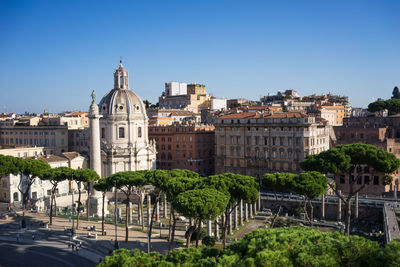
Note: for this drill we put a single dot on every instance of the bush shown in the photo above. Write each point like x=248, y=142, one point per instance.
x=286, y=246
x=208, y=241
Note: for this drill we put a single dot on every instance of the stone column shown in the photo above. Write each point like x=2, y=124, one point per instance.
x=246, y=206
x=229, y=223
x=323, y=207
x=158, y=212
x=255, y=208
x=209, y=228
x=339, y=217
x=130, y=212
x=96, y=200
x=259, y=201
x=356, y=208
x=165, y=205
x=119, y=214
x=250, y=209
x=241, y=212
x=148, y=210
x=235, y=218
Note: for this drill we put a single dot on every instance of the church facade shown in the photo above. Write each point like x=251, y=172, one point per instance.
x=123, y=129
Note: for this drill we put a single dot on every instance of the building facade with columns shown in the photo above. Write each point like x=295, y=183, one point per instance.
x=122, y=130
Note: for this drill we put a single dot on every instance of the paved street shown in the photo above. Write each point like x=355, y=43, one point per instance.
x=16, y=254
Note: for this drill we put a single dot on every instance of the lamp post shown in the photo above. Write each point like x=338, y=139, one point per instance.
x=73, y=212
x=73, y=216
x=116, y=245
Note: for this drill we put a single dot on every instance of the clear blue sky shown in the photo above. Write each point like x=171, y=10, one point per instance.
x=53, y=53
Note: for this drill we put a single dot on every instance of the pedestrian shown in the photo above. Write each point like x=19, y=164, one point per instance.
x=33, y=237
x=69, y=218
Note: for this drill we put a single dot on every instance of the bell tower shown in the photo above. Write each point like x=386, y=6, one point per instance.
x=121, y=80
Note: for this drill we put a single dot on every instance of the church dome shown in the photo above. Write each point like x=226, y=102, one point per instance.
x=121, y=100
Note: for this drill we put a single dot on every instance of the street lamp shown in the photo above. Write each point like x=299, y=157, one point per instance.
x=73, y=213
x=116, y=244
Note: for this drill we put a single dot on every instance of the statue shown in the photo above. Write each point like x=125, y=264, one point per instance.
x=93, y=95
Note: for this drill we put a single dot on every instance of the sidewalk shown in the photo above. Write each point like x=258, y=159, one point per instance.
x=102, y=245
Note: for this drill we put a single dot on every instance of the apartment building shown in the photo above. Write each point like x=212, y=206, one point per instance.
x=53, y=138
x=253, y=143
x=184, y=147
x=382, y=132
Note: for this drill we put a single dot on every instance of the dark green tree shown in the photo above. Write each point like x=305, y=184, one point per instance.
x=103, y=185
x=84, y=176
x=278, y=182
x=237, y=187
x=55, y=176
x=396, y=93
x=9, y=165
x=200, y=205
x=377, y=106
x=126, y=183
x=310, y=185
x=355, y=157
x=392, y=254
x=30, y=169
x=180, y=181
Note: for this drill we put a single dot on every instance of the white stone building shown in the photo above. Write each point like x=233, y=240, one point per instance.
x=123, y=126
x=42, y=188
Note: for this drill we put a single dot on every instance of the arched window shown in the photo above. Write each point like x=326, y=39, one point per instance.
x=169, y=156
x=15, y=196
x=121, y=132
x=139, y=132
x=162, y=155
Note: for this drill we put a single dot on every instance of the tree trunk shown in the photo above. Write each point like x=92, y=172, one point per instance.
x=88, y=202
x=51, y=207
x=305, y=211
x=79, y=207
x=141, y=211
x=170, y=227
x=279, y=211
x=312, y=210
x=348, y=216
x=102, y=214
x=55, y=204
x=198, y=230
x=127, y=210
x=173, y=228
x=152, y=219
x=189, y=236
x=224, y=220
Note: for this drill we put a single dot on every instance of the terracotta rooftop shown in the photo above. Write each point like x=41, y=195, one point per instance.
x=252, y=115
x=51, y=158
x=71, y=155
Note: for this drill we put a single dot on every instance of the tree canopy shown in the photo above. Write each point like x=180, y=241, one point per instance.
x=396, y=93
x=342, y=157
x=392, y=105
x=286, y=246
x=9, y=165
x=202, y=204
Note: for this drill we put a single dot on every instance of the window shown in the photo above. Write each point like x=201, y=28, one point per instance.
x=366, y=179
x=376, y=180
x=139, y=131
x=342, y=179
x=359, y=180
x=121, y=132
x=103, y=133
